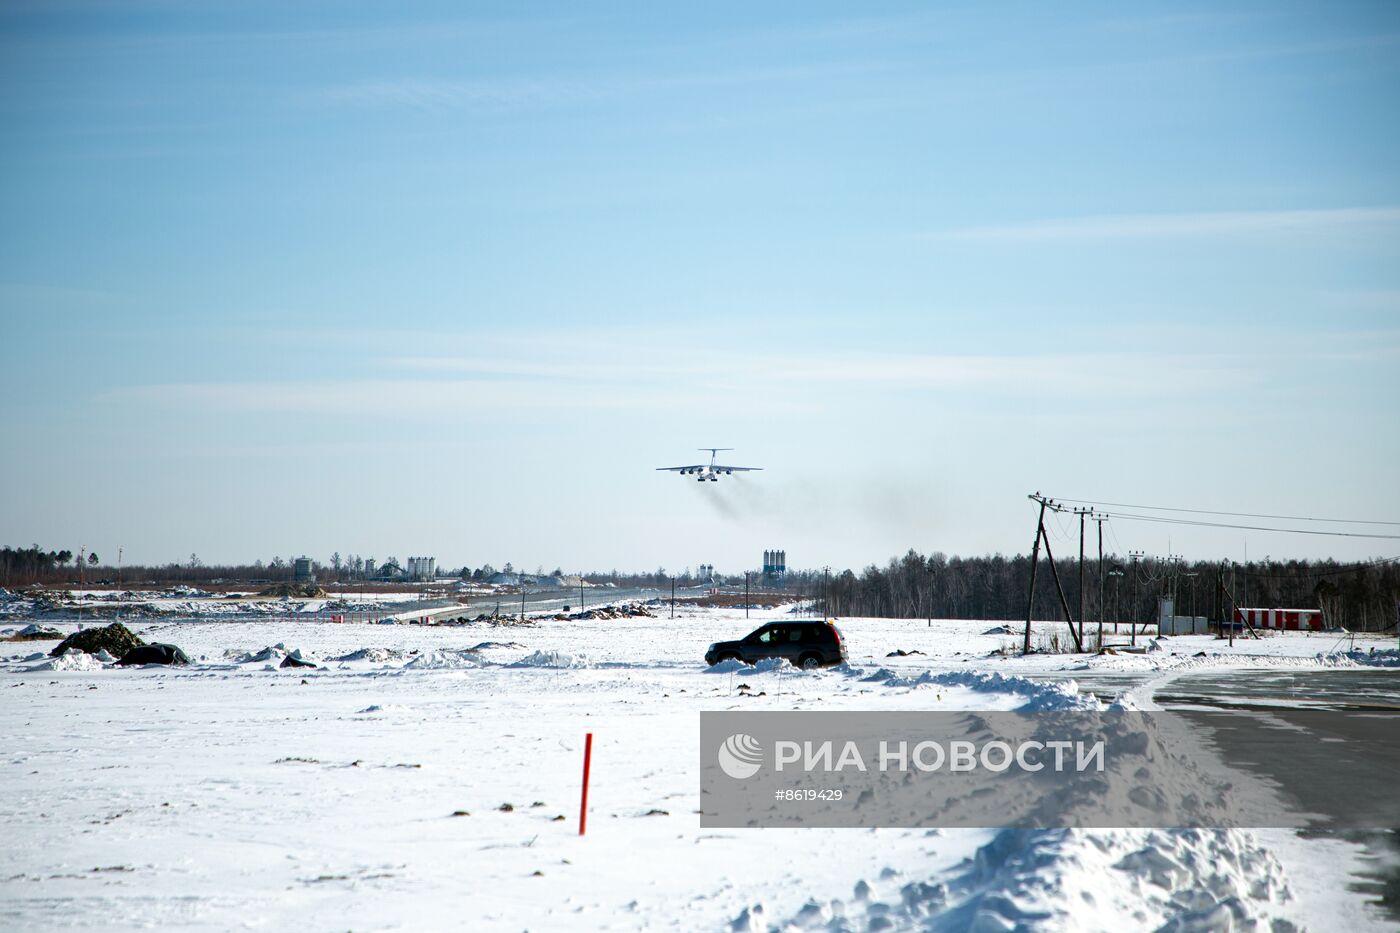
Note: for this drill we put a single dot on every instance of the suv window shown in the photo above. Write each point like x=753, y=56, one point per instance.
x=769, y=635
x=797, y=633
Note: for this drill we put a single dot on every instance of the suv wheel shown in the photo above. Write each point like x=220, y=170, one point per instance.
x=809, y=662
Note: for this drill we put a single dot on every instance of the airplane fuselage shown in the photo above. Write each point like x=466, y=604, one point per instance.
x=702, y=473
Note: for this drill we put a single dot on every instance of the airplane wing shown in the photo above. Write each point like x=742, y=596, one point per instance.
x=698, y=466
x=730, y=469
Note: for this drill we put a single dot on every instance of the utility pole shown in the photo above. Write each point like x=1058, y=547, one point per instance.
x=1117, y=574
x=1135, y=555
x=673, y=597
x=1099, y=521
x=746, y=594
x=1235, y=607
x=1035, y=559
x=580, y=592
x=1040, y=535
x=1060, y=591
x=928, y=601
x=826, y=592
x=1221, y=580
x=1081, y=513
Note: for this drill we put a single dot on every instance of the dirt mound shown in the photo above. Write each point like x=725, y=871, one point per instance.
x=116, y=639
x=294, y=590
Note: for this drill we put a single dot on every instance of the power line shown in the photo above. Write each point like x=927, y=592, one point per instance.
x=1161, y=519
x=1295, y=518
x=1117, y=545
x=1320, y=572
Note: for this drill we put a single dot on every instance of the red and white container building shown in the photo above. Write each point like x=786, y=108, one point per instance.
x=1287, y=620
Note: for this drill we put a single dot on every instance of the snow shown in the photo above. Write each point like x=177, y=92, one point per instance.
x=1101, y=880
x=439, y=660
x=234, y=793
x=71, y=660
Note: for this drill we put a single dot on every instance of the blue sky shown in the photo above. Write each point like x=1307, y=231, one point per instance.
x=433, y=278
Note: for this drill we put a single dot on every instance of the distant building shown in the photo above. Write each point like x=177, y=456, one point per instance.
x=1288, y=620
x=301, y=570
x=422, y=568
x=369, y=567
x=774, y=563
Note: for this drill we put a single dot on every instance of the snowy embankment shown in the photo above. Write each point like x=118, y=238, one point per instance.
x=426, y=777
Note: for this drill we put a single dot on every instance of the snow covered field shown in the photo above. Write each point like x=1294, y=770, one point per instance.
x=428, y=778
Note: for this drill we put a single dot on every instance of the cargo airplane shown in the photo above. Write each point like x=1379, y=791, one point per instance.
x=711, y=471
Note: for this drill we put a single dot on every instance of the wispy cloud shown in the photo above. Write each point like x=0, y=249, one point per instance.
x=1197, y=225
x=509, y=92
x=644, y=382
x=429, y=399
x=447, y=94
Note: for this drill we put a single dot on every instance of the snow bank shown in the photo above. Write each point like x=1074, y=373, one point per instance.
x=377, y=655
x=1386, y=657
x=1167, y=880
x=70, y=660
x=443, y=660
x=1039, y=697
x=765, y=666
x=557, y=659
x=275, y=655
x=386, y=708
x=271, y=653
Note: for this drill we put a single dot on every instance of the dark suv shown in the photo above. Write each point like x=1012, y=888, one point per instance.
x=804, y=644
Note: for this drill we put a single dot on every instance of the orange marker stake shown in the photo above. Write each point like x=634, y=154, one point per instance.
x=583, y=805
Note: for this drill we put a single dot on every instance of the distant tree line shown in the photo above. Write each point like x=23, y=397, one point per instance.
x=1361, y=596
x=31, y=564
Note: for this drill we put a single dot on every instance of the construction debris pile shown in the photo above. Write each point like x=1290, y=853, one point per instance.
x=485, y=618
x=116, y=639
x=294, y=591
x=629, y=611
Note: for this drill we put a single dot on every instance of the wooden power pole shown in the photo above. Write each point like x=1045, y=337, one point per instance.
x=1081, y=513
x=1041, y=535
x=1035, y=560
